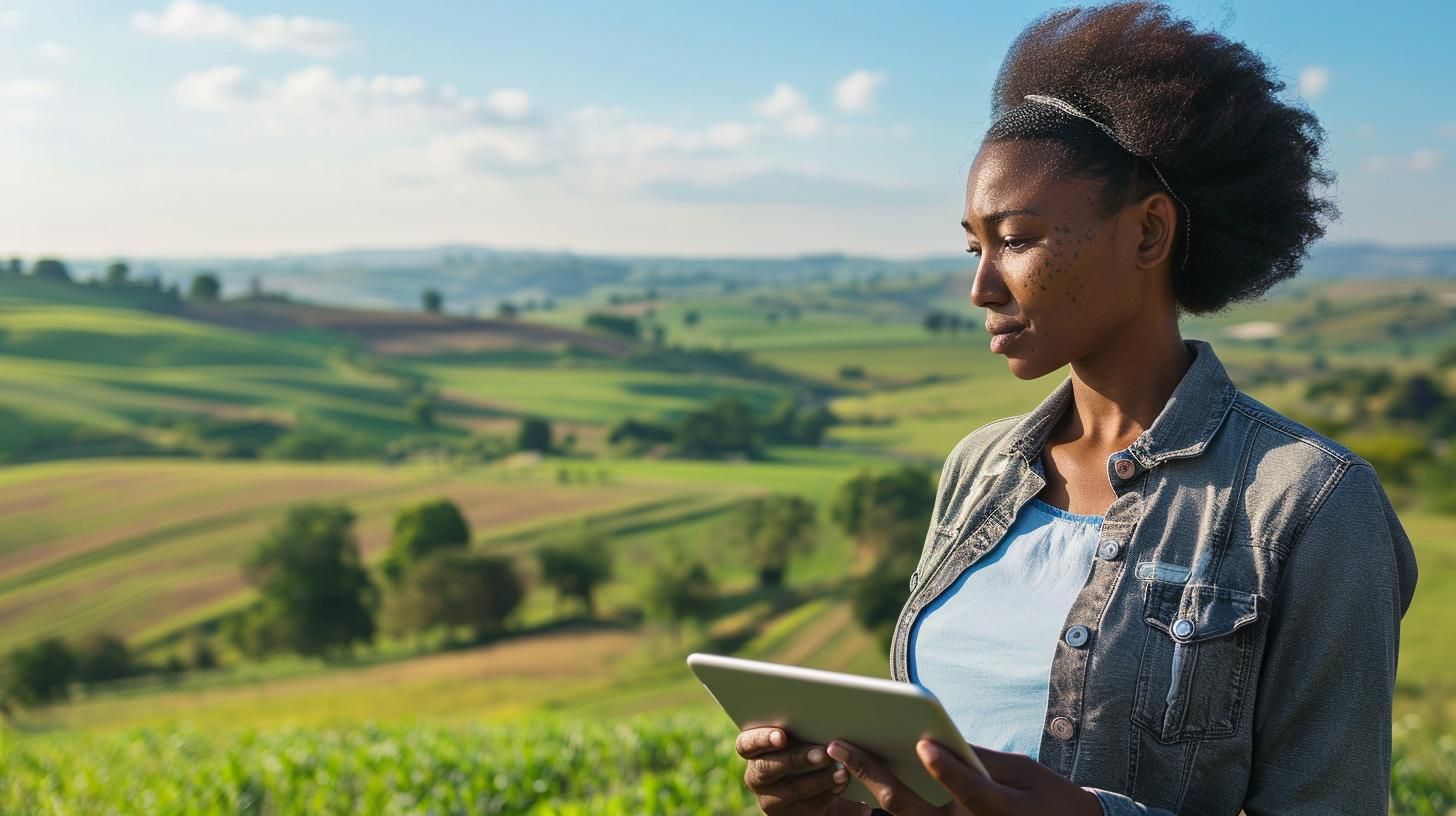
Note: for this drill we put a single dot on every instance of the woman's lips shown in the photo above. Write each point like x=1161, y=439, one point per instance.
x=1000, y=342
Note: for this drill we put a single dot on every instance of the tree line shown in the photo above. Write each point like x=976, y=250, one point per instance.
x=204, y=285
x=726, y=427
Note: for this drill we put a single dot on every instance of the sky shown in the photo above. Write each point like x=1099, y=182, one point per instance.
x=183, y=128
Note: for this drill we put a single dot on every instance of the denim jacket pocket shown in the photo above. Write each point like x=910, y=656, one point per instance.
x=1196, y=658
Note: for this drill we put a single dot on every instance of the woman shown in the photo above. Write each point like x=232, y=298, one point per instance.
x=1152, y=594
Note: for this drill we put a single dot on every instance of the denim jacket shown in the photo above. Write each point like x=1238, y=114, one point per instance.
x=1234, y=646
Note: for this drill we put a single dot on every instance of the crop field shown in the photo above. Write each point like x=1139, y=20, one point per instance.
x=147, y=547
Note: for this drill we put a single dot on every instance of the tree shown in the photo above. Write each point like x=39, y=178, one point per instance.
x=117, y=273
x=534, y=435
x=40, y=673
x=774, y=529
x=432, y=301
x=316, y=597
x=725, y=427
x=615, y=324
x=421, y=411
x=15, y=266
x=789, y=425
x=879, y=596
x=934, y=322
x=679, y=590
x=506, y=310
x=638, y=435
x=200, y=653
x=453, y=588
x=51, y=269
x=576, y=566
x=205, y=286
x=691, y=317
x=422, y=530
x=313, y=443
x=885, y=512
x=102, y=656
x=1417, y=398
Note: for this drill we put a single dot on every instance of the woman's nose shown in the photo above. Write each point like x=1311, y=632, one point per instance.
x=987, y=287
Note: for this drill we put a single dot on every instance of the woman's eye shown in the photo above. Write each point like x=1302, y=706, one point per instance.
x=1021, y=242
x=974, y=250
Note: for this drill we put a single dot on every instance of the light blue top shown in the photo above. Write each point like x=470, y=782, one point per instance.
x=984, y=646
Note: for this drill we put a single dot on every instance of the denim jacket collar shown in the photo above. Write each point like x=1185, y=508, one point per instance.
x=1192, y=415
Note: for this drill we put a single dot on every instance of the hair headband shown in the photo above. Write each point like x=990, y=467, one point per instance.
x=1068, y=108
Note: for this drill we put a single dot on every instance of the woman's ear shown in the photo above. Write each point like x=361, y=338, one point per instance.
x=1158, y=219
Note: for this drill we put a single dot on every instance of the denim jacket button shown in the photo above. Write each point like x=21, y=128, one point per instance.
x=1109, y=550
x=1125, y=468
x=1076, y=636
x=1182, y=628
x=1063, y=729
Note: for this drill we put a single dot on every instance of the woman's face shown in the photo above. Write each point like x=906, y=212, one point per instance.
x=1072, y=282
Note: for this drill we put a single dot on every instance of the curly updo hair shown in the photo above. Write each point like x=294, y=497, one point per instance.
x=1243, y=162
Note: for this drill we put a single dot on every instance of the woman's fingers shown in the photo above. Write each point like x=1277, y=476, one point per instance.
x=888, y=790
x=966, y=784
x=803, y=789
x=771, y=767
x=754, y=741
x=1006, y=767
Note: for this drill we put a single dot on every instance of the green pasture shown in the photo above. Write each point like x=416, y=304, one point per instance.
x=596, y=395
x=69, y=372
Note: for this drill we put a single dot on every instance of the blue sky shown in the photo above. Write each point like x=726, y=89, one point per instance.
x=177, y=127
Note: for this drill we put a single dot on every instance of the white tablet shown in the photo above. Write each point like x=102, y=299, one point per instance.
x=884, y=717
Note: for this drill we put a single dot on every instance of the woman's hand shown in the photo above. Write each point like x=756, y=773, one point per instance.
x=792, y=778
x=1019, y=785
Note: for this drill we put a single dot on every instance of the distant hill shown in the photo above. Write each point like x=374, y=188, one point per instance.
x=476, y=278
x=1367, y=261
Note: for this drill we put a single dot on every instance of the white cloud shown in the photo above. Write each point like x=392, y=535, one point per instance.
x=1313, y=81
x=790, y=110
x=1420, y=161
x=597, y=148
x=219, y=89
x=1425, y=159
x=729, y=135
x=855, y=93
x=784, y=100
x=55, y=52
x=1446, y=129
x=478, y=149
x=11, y=18
x=26, y=89
x=318, y=97
x=193, y=20
x=510, y=103
x=413, y=132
